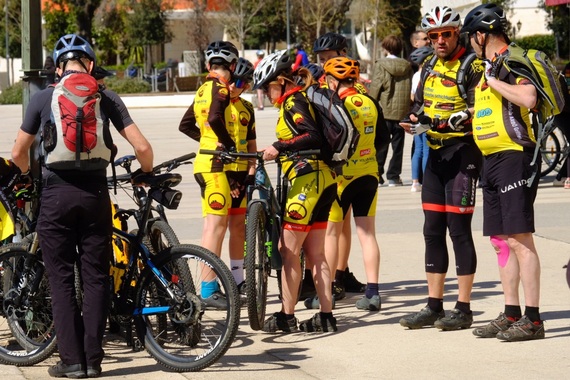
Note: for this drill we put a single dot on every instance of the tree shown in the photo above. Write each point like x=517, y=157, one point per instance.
x=110, y=18
x=269, y=26
x=313, y=18
x=558, y=21
x=240, y=16
x=14, y=10
x=147, y=27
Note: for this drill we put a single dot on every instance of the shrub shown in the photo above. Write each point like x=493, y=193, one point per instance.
x=543, y=42
x=12, y=94
x=127, y=86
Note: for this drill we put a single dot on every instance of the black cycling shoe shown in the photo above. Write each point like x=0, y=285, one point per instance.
x=93, y=371
x=71, y=371
x=351, y=284
x=216, y=301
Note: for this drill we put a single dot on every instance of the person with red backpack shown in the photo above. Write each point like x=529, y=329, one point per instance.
x=75, y=221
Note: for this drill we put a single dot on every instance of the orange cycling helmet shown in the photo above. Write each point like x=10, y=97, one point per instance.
x=342, y=68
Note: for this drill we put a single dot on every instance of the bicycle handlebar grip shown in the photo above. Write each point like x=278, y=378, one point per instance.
x=308, y=152
x=212, y=152
x=178, y=161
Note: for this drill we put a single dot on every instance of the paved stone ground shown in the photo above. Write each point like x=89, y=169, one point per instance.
x=368, y=345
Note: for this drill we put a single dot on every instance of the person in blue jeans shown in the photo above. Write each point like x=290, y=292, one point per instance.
x=420, y=147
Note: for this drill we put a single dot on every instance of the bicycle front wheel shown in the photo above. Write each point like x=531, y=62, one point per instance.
x=257, y=264
x=196, y=335
x=27, y=332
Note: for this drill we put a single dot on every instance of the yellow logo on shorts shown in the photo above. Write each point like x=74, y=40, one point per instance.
x=296, y=211
x=298, y=118
x=216, y=201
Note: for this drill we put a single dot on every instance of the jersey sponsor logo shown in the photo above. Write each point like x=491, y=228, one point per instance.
x=216, y=201
x=289, y=103
x=296, y=211
x=223, y=91
x=487, y=136
x=484, y=112
x=302, y=197
x=364, y=152
x=448, y=83
x=201, y=92
x=298, y=118
x=357, y=101
x=469, y=210
x=368, y=130
x=445, y=106
x=244, y=118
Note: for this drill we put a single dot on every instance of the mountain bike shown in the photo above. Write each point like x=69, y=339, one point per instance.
x=554, y=150
x=155, y=296
x=264, y=219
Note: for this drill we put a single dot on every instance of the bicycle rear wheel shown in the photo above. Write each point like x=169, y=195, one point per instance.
x=257, y=264
x=551, y=153
x=27, y=332
x=195, y=336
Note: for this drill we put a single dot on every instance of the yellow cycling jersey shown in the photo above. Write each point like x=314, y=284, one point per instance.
x=499, y=125
x=209, y=109
x=297, y=130
x=240, y=122
x=441, y=97
x=364, y=114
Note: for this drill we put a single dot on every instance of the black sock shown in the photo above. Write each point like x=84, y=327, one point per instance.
x=326, y=315
x=339, y=276
x=532, y=313
x=436, y=304
x=513, y=312
x=464, y=307
x=371, y=290
x=289, y=316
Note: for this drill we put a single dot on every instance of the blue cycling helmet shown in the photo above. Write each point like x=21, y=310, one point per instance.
x=316, y=71
x=72, y=47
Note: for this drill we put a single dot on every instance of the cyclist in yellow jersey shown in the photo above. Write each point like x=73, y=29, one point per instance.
x=450, y=179
x=503, y=132
x=240, y=119
x=327, y=46
x=310, y=195
x=205, y=121
x=358, y=183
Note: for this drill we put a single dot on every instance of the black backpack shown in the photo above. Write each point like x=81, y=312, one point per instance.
x=338, y=128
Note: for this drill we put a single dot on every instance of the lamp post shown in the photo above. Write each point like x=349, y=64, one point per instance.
x=7, y=43
x=288, y=27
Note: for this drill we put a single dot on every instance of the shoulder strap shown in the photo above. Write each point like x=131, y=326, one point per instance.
x=461, y=74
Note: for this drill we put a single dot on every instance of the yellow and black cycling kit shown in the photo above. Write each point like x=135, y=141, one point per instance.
x=312, y=183
x=498, y=124
x=441, y=97
x=208, y=111
x=240, y=122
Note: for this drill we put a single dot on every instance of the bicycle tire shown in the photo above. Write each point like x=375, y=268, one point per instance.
x=257, y=264
x=550, y=151
x=196, y=336
x=28, y=313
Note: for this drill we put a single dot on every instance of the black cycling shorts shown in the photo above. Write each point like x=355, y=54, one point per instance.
x=508, y=202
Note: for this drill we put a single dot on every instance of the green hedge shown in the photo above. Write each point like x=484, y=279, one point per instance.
x=12, y=94
x=127, y=86
x=543, y=42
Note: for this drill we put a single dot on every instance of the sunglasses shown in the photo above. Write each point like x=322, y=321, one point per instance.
x=240, y=83
x=434, y=36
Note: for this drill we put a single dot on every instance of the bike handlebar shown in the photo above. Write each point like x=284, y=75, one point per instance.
x=258, y=155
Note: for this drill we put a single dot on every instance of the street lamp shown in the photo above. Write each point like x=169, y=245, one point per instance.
x=7, y=42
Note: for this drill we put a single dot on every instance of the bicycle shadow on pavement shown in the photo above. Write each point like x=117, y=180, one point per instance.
x=269, y=360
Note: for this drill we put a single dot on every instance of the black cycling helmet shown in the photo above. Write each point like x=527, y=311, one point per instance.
x=221, y=53
x=244, y=70
x=72, y=47
x=270, y=67
x=100, y=73
x=316, y=71
x=330, y=41
x=485, y=18
x=419, y=55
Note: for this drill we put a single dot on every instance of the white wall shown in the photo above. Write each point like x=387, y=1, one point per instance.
x=15, y=71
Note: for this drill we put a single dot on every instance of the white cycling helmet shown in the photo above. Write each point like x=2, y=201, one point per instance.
x=440, y=17
x=270, y=67
x=221, y=53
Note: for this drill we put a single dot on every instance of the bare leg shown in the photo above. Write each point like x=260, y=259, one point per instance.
x=365, y=228
x=290, y=248
x=529, y=266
